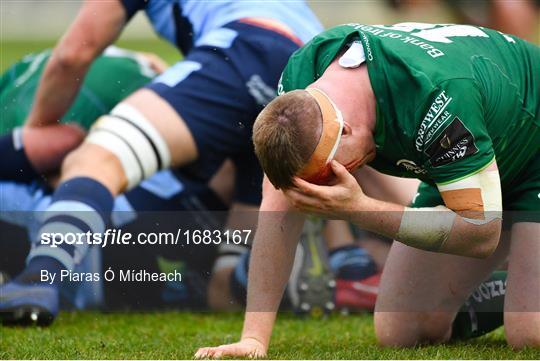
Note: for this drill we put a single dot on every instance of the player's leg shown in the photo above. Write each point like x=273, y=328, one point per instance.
x=421, y=293
x=121, y=149
x=522, y=305
x=119, y=152
x=203, y=102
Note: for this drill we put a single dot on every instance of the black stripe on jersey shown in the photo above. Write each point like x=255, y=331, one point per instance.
x=184, y=30
x=132, y=6
x=152, y=144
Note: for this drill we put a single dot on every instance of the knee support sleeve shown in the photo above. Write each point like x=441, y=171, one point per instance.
x=134, y=140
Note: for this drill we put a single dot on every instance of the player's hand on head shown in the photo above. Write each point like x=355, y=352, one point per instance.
x=334, y=201
x=248, y=347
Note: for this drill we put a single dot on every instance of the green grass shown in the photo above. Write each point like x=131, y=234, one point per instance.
x=12, y=51
x=176, y=335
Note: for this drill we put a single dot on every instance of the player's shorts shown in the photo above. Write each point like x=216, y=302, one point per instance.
x=521, y=200
x=219, y=89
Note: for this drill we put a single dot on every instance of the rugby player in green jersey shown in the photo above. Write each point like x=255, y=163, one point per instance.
x=456, y=106
x=122, y=71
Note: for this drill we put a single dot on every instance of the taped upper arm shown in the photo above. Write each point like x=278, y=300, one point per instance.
x=477, y=198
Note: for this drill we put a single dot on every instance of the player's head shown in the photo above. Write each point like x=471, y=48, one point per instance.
x=299, y=133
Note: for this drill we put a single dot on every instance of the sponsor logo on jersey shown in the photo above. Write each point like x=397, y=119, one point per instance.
x=280, y=89
x=436, y=126
x=433, y=120
x=411, y=166
x=454, y=143
x=259, y=90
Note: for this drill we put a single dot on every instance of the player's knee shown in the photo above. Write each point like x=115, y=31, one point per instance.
x=522, y=329
x=133, y=140
x=75, y=159
x=409, y=329
x=88, y=160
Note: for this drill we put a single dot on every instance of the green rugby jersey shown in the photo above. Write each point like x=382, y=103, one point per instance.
x=113, y=76
x=450, y=98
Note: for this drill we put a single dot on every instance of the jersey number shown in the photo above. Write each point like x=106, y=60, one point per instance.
x=440, y=34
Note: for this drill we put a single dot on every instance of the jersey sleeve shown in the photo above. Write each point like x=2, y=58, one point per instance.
x=292, y=77
x=308, y=63
x=132, y=6
x=452, y=137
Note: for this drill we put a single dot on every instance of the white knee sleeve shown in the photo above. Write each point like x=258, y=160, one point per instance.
x=127, y=134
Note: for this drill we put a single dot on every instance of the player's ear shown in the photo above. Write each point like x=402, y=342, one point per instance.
x=347, y=130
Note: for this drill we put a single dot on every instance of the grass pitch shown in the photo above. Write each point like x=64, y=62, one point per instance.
x=177, y=335
x=12, y=51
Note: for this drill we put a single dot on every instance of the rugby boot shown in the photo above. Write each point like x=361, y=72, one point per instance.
x=312, y=283
x=28, y=304
x=357, y=295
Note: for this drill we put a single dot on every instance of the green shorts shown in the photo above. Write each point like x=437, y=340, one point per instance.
x=521, y=202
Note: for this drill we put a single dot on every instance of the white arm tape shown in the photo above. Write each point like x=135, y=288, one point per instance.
x=426, y=228
x=488, y=181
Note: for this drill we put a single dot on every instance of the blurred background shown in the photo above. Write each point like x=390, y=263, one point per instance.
x=31, y=25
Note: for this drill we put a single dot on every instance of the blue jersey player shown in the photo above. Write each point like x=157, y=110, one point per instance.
x=195, y=115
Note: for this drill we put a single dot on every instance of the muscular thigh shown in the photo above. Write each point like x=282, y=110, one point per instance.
x=168, y=122
x=421, y=291
x=416, y=280
x=522, y=303
x=218, y=91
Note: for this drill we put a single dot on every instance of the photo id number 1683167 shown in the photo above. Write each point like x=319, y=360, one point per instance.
x=215, y=237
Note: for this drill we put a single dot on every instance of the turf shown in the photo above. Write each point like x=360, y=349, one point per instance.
x=176, y=335
x=12, y=51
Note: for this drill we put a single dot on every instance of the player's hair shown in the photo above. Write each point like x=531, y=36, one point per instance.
x=286, y=134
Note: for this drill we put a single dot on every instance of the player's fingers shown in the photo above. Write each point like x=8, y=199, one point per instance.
x=340, y=171
x=309, y=188
x=202, y=353
x=219, y=354
x=300, y=200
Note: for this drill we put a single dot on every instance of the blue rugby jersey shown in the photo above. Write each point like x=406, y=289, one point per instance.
x=184, y=22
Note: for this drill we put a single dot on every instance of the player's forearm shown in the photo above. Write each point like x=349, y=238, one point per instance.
x=437, y=229
x=57, y=91
x=97, y=26
x=380, y=217
x=270, y=266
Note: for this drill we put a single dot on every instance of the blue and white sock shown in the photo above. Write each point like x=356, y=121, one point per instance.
x=79, y=205
x=352, y=263
x=14, y=164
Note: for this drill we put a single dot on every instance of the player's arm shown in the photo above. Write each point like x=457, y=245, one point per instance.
x=469, y=225
x=97, y=25
x=270, y=266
